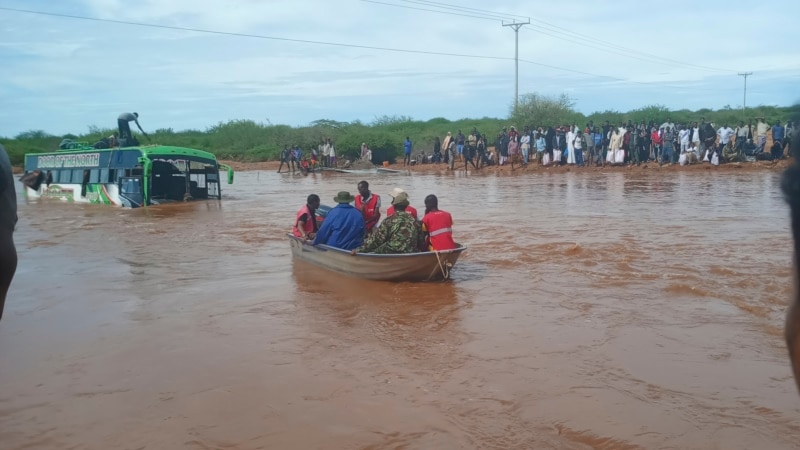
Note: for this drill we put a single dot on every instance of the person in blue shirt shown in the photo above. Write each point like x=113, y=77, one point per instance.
x=343, y=226
x=407, y=148
x=778, y=132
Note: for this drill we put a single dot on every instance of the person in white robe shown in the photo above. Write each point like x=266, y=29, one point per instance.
x=570, y=146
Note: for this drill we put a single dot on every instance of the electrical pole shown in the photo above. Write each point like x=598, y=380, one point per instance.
x=516, y=26
x=744, y=102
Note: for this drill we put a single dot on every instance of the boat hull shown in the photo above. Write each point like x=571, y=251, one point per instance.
x=428, y=266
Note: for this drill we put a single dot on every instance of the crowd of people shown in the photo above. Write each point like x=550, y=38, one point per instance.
x=324, y=155
x=608, y=144
x=355, y=225
x=667, y=143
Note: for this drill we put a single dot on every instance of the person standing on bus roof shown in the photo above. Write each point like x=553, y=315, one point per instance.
x=8, y=221
x=123, y=122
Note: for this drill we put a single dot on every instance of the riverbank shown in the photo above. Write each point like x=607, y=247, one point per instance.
x=440, y=169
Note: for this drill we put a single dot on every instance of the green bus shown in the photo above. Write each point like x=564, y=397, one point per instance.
x=126, y=176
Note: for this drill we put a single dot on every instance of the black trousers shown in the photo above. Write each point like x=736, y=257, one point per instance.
x=8, y=265
x=124, y=128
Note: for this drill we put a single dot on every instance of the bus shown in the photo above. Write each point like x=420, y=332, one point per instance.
x=128, y=176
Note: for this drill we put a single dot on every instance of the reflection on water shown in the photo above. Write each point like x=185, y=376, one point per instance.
x=591, y=310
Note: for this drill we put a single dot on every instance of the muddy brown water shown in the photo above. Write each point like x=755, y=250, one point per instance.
x=607, y=311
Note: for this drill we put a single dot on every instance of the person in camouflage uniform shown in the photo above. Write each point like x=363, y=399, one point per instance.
x=398, y=233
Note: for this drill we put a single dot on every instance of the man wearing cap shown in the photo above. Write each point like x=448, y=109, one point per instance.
x=398, y=233
x=409, y=209
x=8, y=221
x=343, y=226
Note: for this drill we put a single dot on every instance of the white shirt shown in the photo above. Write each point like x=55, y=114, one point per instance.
x=742, y=131
x=333, y=152
x=695, y=134
x=684, y=136
x=526, y=139
x=725, y=134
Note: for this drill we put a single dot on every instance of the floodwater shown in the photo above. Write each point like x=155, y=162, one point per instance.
x=606, y=311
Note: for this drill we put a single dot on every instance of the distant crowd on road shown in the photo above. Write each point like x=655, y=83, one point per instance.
x=608, y=144
x=667, y=143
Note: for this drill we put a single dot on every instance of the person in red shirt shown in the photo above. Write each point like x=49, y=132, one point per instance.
x=655, y=139
x=369, y=204
x=439, y=226
x=306, y=225
x=409, y=209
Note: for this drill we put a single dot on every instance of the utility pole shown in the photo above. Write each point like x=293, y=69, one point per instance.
x=516, y=26
x=744, y=102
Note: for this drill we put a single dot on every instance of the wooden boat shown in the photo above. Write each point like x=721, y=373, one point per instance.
x=427, y=266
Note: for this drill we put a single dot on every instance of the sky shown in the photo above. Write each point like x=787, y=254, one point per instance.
x=63, y=75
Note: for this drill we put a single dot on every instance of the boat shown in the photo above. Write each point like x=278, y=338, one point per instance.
x=424, y=266
x=124, y=176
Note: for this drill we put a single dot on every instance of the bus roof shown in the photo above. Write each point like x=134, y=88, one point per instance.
x=79, y=157
x=168, y=150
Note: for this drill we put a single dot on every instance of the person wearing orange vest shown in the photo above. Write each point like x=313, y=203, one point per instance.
x=369, y=204
x=439, y=225
x=305, y=225
x=409, y=209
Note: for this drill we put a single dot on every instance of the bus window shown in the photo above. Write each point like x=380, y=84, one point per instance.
x=130, y=186
x=104, y=176
x=94, y=176
x=112, y=175
x=77, y=176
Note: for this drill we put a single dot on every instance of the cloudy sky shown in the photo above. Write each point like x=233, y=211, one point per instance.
x=63, y=74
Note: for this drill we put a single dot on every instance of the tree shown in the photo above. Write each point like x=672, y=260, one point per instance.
x=33, y=134
x=536, y=109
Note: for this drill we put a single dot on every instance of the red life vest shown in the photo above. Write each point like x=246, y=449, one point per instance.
x=309, y=225
x=368, y=210
x=439, y=225
x=409, y=209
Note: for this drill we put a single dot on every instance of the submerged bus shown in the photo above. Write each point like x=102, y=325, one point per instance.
x=127, y=176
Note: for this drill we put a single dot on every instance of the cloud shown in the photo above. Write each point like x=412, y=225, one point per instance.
x=87, y=72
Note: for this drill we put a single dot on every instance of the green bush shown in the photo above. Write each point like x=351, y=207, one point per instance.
x=246, y=140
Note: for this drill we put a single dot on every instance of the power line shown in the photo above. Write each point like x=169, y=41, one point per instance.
x=430, y=10
x=447, y=9
x=256, y=36
x=601, y=48
x=335, y=44
x=661, y=59
x=497, y=18
x=477, y=10
x=557, y=29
